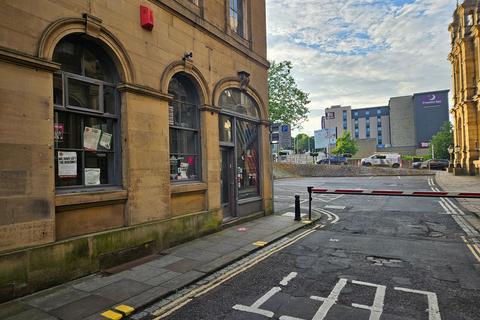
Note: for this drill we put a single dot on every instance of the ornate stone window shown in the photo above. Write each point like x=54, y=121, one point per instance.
x=86, y=116
x=184, y=130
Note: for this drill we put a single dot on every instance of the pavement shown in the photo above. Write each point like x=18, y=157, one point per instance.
x=449, y=182
x=141, y=283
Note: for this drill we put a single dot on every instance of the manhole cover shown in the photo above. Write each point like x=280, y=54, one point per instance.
x=384, y=261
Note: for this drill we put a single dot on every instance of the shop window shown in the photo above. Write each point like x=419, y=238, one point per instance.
x=247, y=159
x=239, y=128
x=184, y=130
x=236, y=16
x=86, y=116
x=236, y=101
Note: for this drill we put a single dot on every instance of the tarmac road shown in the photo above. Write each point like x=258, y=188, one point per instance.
x=382, y=258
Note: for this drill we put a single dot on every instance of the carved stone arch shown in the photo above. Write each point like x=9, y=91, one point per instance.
x=234, y=82
x=91, y=26
x=193, y=72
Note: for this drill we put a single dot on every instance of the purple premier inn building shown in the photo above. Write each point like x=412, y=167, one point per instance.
x=406, y=125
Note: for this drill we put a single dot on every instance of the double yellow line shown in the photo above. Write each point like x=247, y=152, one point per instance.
x=473, y=247
x=182, y=301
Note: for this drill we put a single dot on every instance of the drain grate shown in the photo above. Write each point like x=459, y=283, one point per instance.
x=384, y=261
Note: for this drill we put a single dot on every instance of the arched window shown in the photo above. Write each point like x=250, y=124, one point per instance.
x=237, y=101
x=87, y=114
x=239, y=130
x=184, y=129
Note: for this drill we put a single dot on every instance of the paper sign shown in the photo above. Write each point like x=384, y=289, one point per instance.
x=182, y=171
x=91, y=136
x=92, y=176
x=58, y=130
x=67, y=164
x=105, y=140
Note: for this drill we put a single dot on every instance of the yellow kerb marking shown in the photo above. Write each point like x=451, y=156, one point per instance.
x=112, y=315
x=260, y=243
x=125, y=309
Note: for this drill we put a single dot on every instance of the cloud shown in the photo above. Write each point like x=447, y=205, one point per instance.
x=361, y=52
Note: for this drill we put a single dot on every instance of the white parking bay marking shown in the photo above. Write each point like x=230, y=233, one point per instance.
x=433, y=310
x=285, y=280
x=335, y=207
x=255, y=307
x=377, y=308
x=329, y=301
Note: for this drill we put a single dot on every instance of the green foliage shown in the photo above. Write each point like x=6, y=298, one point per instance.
x=301, y=142
x=287, y=103
x=442, y=140
x=345, y=144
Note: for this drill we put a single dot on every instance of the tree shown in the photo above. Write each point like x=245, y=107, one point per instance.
x=345, y=144
x=287, y=103
x=301, y=142
x=442, y=140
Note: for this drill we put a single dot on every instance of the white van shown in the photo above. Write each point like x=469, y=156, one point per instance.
x=383, y=159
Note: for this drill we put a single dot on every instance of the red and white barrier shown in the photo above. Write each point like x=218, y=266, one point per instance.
x=398, y=193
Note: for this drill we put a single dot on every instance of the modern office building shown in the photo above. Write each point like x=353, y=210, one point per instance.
x=406, y=125
x=465, y=60
x=126, y=127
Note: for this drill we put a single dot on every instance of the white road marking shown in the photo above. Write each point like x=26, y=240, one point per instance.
x=255, y=307
x=433, y=310
x=293, y=205
x=377, y=308
x=370, y=178
x=399, y=178
x=329, y=301
x=289, y=318
x=285, y=280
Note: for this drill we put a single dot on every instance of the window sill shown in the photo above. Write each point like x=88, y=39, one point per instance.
x=248, y=200
x=187, y=187
x=79, y=198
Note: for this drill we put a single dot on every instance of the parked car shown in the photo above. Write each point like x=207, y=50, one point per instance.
x=435, y=164
x=333, y=160
x=417, y=164
x=383, y=159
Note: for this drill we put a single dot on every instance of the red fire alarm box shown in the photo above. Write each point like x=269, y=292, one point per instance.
x=146, y=18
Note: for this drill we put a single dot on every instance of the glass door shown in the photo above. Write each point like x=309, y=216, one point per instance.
x=227, y=182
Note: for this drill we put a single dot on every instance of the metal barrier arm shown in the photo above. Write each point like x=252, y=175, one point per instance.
x=392, y=193
x=398, y=193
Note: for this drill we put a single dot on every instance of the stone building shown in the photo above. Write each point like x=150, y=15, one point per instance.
x=127, y=126
x=465, y=59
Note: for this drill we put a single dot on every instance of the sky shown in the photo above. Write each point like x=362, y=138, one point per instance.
x=361, y=52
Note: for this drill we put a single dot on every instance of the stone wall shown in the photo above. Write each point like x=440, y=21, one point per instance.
x=290, y=170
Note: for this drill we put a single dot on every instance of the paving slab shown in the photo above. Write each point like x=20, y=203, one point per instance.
x=55, y=298
x=183, y=265
x=80, y=309
x=32, y=314
x=122, y=289
x=183, y=280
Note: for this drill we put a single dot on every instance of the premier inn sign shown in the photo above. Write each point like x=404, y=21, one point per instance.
x=431, y=100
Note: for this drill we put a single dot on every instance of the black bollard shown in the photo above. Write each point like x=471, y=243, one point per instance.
x=309, y=203
x=297, y=208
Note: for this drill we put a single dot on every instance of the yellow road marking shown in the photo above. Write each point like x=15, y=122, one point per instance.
x=471, y=248
x=163, y=311
x=260, y=243
x=126, y=310
x=109, y=314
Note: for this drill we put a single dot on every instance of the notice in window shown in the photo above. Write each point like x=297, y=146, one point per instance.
x=106, y=140
x=91, y=137
x=92, y=176
x=58, y=130
x=67, y=164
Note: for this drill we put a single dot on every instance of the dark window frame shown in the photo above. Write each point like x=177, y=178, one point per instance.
x=114, y=163
x=195, y=105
